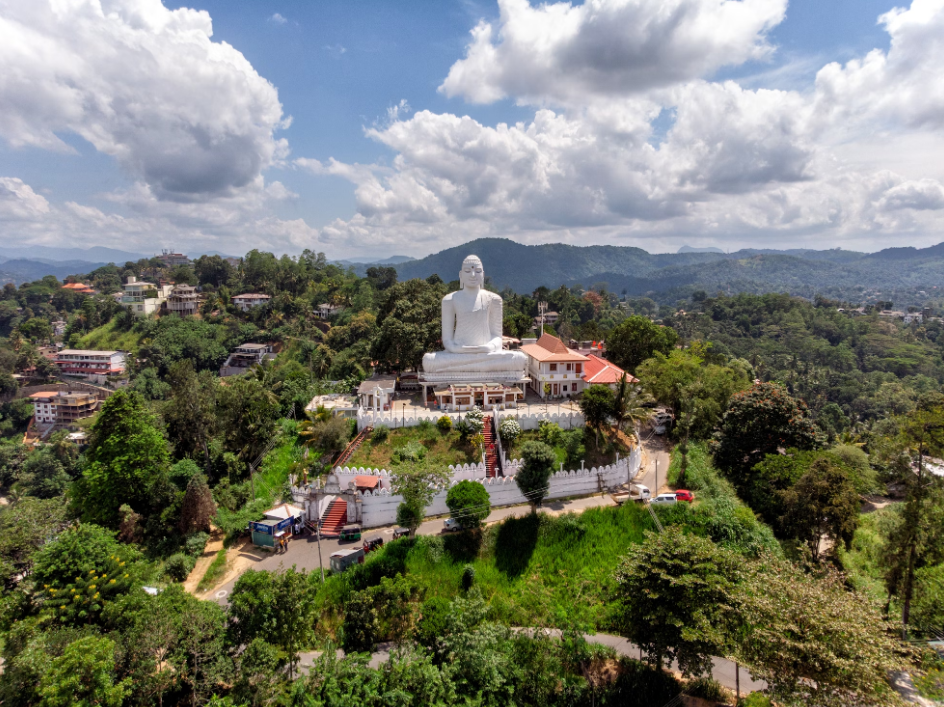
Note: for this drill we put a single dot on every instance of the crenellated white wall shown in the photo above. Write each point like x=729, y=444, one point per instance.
x=530, y=421
x=379, y=507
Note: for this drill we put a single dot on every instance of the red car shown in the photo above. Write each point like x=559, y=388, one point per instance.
x=683, y=495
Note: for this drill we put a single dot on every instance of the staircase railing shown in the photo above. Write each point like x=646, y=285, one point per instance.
x=499, y=456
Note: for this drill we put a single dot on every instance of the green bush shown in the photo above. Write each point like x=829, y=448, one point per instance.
x=412, y=451
x=380, y=434
x=444, y=424
x=178, y=566
x=468, y=577
x=469, y=503
x=425, y=427
x=755, y=699
x=707, y=689
x=434, y=621
x=550, y=433
x=195, y=543
x=361, y=624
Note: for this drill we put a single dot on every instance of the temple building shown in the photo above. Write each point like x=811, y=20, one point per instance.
x=555, y=370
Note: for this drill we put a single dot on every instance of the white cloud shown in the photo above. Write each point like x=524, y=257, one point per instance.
x=147, y=85
x=277, y=19
x=18, y=201
x=566, y=54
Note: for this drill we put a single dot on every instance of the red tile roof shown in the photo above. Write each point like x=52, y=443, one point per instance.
x=550, y=348
x=598, y=370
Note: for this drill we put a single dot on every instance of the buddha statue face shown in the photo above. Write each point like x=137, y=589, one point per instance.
x=472, y=273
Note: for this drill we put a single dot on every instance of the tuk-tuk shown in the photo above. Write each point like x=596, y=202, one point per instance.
x=401, y=533
x=373, y=544
x=350, y=532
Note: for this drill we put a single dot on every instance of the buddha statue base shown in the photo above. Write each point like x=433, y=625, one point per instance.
x=498, y=367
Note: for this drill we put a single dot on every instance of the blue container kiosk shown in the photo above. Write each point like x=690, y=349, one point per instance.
x=266, y=532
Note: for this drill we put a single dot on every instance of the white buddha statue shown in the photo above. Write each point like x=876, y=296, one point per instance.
x=472, y=332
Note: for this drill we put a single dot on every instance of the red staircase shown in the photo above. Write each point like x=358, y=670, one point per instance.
x=491, y=452
x=334, y=518
x=352, y=447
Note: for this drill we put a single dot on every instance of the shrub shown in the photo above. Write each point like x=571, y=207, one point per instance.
x=465, y=430
x=434, y=621
x=195, y=543
x=572, y=441
x=550, y=433
x=425, y=427
x=178, y=566
x=509, y=430
x=476, y=418
x=444, y=424
x=469, y=503
x=361, y=624
x=468, y=577
x=380, y=434
x=756, y=699
x=412, y=451
x=707, y=689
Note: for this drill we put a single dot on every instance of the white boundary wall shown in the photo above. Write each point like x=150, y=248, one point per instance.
x=528, y=421
x=379, y=507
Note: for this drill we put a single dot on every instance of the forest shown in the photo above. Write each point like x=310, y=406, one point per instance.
x=810, y=432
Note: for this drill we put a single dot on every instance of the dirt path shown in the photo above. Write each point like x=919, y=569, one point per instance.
x=213, y=546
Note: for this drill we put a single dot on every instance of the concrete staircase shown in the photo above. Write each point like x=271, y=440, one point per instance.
x=491, y=451
x=334, y=518
x=348, y=452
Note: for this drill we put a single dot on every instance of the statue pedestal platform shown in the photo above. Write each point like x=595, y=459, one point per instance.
x=474, y=377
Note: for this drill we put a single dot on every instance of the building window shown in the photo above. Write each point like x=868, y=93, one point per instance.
x=553, y=367
x=565, y=388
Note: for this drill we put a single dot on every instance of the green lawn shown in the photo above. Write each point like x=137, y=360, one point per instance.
x=440, y=449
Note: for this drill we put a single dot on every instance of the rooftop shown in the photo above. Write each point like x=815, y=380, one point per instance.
x=382, y=381
x=251, y=296
x=601, y=371
x=550, y=348
x=87, y=352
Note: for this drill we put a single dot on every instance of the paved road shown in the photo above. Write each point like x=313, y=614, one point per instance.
x=303, y=550
x=724, y=671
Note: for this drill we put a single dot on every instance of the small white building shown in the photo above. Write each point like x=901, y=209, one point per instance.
x=244, y=357
x=337, y=404
x=376, y=393
x=461, y=397
x=144, y=298
x=91, y=364
x=326, y=311
x=58, y=328
x=550, y=362
x=250, y=300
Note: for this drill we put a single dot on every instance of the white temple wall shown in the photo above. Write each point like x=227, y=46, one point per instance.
x=528, y=421
x=379, y=507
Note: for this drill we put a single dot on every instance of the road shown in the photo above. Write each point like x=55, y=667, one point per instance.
x=303, y=550
x=654, y=450
x=724, y=671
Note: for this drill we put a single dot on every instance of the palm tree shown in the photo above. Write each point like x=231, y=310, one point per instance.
x=629, y=406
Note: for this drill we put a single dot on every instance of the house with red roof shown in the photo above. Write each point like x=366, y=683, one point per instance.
x=555, y=370
x=599, y=371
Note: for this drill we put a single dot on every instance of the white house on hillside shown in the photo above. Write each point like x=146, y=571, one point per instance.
x=551, y=363
x=144, y=298
x=250, y=301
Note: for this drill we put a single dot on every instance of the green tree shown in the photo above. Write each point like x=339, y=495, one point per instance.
x=247, y=413
x=676, y=598
x=822, y=503
x=84, y=676
x=810, y=638
x=469, y=503
x=25, y=527
x=126, y=462
x=409, y=324
x=534, y=476
x=191, y=414
x=198, y=507
x=417, y=482
x=761, y=421
x=637, y=338
x=596, y=403
x=149, y=384
x=629, y=405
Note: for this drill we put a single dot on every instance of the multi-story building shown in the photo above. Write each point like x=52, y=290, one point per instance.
x=328, y=310
x=245, y=357
x=144, y=298
x=183, y=299
x=94, y=365
x=172, y=260
x=63, y=407
x=250, y=301
x=598, y=371
x=551, y=363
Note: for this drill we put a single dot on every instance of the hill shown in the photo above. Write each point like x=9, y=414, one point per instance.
x=667, y=276
x=19, y=270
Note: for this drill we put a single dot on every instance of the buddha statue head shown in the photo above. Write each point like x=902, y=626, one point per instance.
x=472, y=273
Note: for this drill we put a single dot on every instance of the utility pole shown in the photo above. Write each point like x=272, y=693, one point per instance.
x=542, y=310
x=656, y=489
x=318, y=531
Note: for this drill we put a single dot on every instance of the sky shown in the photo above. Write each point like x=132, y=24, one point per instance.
x=363, y=128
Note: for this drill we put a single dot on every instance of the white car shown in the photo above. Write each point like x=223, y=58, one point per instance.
x=640, y=492
x=665, y=498
x=451, y=525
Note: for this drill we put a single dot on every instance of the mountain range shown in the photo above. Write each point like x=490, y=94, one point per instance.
x=666, y=277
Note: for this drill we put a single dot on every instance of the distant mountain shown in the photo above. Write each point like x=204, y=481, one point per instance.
x=839, y=273
x=98, y=254
x=392, y=260
x=689, y=249
x=19, y=270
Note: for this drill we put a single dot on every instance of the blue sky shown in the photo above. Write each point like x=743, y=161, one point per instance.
x=408, y=135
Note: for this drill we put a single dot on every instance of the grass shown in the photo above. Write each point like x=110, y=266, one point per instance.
x=214, y=572
x=534, y=571
x=440, y=449
x=108, y=337
x=593, y=457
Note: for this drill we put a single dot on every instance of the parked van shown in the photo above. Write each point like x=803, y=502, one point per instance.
x=638, y=492
x=665, y=499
